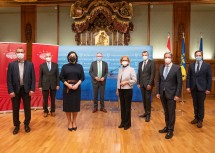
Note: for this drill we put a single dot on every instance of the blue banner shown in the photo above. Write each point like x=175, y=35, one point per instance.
x=112, y=55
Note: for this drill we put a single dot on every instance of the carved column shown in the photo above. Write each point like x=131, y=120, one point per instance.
x=28, y=27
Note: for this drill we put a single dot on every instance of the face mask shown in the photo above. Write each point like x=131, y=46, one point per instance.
x=20, y=56
x=145, y=58
x=124, y=63
x=99, y=58
x=198, y=58
x=72, y=59
x=168, y=60
x=48, y=59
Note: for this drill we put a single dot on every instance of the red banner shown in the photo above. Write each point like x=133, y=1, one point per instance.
x=38, y=57
x=7, y=55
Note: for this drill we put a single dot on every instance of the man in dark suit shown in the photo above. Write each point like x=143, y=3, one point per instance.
x=21, y=85
x=169, y=88
x=145, y=81
x=98, y=71
x=48, y=83
x=199, y=80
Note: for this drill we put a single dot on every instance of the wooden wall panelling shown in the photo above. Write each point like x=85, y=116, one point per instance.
x=28, y=26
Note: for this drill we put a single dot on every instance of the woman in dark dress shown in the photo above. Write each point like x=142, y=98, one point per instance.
x=72, y=74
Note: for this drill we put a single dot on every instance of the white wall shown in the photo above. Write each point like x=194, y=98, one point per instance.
x=10, y=27
x=203, y=20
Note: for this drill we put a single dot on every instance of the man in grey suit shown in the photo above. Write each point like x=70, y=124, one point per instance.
x=145, y=81
x=98, y=72
x=169, y=88
x=48, y=83
x=199, y=80
x=21, y=85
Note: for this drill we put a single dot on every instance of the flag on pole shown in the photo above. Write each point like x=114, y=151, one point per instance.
x=168, y=46
x=183, y=60
x=201, y=44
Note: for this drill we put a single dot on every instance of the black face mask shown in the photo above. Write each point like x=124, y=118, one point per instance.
x=72, y=59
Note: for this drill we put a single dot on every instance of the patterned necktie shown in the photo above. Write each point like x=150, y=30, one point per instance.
x=166, y=71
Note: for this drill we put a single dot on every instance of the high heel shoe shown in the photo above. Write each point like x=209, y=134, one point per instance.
x=74, y=128
x=70, y=129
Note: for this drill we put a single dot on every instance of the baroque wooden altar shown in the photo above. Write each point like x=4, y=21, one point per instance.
x=100, y=22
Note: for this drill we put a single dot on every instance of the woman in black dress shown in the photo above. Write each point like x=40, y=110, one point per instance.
x=72, y=74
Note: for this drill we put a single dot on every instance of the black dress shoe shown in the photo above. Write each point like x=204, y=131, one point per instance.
x=27, y=128
x=95, y=110
x=121, y=126
x=194, y=121
x=147, y=118
x=126, y=127
x=199, y=124
x=164, y=130
x=16, y=130
x=144, y=115
x=169, y=135
x=74, y=128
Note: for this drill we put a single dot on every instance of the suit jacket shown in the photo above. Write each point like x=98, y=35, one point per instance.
x=146, y=76
x=94, y=71
x=202, y=80
x=49, y=79
x=13, y=79
x=172, y=84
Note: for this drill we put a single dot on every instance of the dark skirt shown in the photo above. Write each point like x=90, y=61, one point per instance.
x=71, y=100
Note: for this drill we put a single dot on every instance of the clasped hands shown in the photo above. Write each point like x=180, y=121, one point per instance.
x=99, y=79
x=72, y=86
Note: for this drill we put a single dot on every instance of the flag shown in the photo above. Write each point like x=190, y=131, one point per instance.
x=168, y=46
x=183, y=60
x=201, y=44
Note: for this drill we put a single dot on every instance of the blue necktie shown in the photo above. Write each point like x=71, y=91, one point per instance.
x=165, y=72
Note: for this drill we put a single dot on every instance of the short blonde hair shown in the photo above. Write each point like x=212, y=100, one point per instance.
x=124, y=57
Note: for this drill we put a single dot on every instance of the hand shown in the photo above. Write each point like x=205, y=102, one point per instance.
x=123, y=83
x=158, y=96
x=102, y=79
x=12, y=94
x=149, y=87
x=176, y=98
x=117, y=92
x=207, y=92
x=57, y=87
x=138, y=86
x=40, y=89
x=70, y=86
x=31, y=93
x=188, y=90
x=97, y=78
x=75, y=86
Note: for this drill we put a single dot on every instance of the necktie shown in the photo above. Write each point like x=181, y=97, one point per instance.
x=99, y=69
x=49, y=66
x=197, y=69
x=166, y=72
x=143, y=66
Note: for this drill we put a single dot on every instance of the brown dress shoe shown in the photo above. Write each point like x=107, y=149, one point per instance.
x=95, y=110
x=194, y=121
x=53, y=114
x=103, y=110
x=199, y=124
x=45, y=114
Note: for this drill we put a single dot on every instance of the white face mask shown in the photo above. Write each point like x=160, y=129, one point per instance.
x=20, y=56
x=168, y=60
x=48, y=59
x=124, y=63
x=145, y=58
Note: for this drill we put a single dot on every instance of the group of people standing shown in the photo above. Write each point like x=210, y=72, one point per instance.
x=21, y=85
